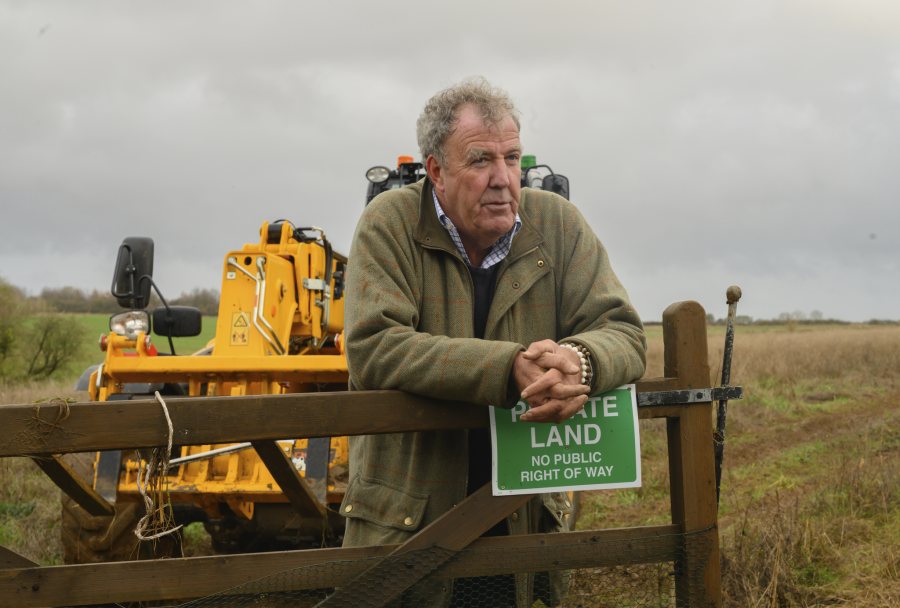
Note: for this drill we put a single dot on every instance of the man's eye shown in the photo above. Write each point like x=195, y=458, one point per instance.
x=513, y=158
x=479, y=162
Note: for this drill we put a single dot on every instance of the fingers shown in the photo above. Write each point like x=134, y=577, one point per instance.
x=567, y=391
x=565, y=360
x=536, y=349
x=544, y=383
x=548, y=354
x=549, y=387
x=555, y=410
x=525, y=372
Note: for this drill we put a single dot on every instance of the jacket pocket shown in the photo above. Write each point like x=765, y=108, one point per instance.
x=375, y=501
x=557, y=509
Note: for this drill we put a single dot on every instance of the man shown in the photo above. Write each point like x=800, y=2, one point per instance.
x=466, y=287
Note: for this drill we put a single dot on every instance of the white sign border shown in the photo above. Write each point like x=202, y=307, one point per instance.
x=496, y=491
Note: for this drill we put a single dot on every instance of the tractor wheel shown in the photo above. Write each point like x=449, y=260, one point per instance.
x=87, y=538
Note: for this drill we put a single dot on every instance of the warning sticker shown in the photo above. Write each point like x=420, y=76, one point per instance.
x=240, y=329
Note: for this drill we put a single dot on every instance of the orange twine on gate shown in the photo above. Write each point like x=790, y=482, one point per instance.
x=151, y=482
x=46, y=427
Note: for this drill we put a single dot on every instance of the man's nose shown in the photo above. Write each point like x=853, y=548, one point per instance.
x=499, y=174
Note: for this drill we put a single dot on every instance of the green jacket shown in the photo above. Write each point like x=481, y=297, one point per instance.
x=409, y=324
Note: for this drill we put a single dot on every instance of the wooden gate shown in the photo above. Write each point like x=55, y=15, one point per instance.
x=451, y=547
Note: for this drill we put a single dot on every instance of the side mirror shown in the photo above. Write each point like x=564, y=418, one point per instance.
x=133, y=274
x=177, y=321
x=557, y=183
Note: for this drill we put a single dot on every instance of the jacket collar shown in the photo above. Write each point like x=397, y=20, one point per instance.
x=431, y=234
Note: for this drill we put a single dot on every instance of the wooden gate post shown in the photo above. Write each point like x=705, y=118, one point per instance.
x=691, y=463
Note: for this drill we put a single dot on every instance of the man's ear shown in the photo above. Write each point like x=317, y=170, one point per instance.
x=435, y=173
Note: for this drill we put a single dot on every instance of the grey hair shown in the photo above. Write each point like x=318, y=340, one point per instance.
x=438, y=120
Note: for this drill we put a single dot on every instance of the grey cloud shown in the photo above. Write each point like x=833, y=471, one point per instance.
x=707, y=142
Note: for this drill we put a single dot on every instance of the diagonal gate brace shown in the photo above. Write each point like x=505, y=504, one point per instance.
x=11, y=559
x=439, y=542
x=285, y=474
x=73, y=485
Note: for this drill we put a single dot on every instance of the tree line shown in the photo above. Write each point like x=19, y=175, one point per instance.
x=72, y=299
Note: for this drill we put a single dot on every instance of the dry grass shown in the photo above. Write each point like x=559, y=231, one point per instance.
x=810, y=506
x=31, y=392
x=29, y=516
x=29, y=501
x=836, y=544
x=856, y=357
x=860, y=353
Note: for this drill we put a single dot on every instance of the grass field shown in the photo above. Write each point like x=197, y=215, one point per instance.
x=810, y=508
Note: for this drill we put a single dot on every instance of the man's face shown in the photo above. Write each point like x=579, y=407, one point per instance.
x=480, y=185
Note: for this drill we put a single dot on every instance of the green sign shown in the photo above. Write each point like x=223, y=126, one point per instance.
x=598, y=448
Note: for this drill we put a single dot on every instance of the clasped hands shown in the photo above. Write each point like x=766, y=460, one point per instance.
x=549, y=379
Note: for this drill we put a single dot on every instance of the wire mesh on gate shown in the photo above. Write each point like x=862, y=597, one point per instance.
x=649, y=584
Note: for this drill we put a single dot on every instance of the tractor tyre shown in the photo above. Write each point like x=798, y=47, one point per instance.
x=87, y=538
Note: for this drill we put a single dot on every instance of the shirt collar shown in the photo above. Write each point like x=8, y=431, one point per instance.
x=499, y=250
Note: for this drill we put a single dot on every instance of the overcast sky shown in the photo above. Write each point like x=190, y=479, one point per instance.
x=707, y=143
